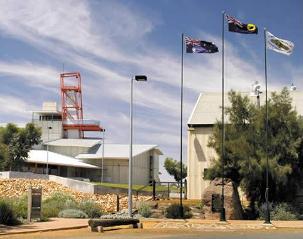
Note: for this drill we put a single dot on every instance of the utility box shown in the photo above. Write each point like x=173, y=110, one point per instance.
x=34, y=203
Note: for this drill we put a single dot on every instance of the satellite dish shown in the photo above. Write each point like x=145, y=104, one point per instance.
x=256, y=89
x=292, y=87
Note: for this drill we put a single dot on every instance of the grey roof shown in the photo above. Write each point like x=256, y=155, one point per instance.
x=86, y=143
x=40, y=156
x=208, y=106
x=119, y=151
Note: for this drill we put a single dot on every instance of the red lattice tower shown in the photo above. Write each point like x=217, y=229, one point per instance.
x=71, y=96
x=72, y=110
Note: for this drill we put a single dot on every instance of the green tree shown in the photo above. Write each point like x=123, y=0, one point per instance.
x=245, y=147
x=173, y=167
x=15, y=144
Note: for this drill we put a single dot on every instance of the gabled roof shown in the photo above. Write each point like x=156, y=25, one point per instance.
x=86, y=143
x=40, y=156
x=208, y=106
x=120, y=151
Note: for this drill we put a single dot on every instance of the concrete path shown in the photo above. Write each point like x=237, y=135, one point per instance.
x=214, y=225
x=53, y=224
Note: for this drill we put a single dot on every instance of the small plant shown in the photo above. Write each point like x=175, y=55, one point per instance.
x=90, y=208
x=19, y=206
x=70, y=204
x=72, y=213
x=280, y=211
x=7, y=215
x=200, y=205
x=56, y=203
x=174, y=211
x=144, y=210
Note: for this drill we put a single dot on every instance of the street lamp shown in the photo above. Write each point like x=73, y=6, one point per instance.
x=130, y=173
x=48, y=128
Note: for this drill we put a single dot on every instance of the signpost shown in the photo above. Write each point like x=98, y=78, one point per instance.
x=34, y=203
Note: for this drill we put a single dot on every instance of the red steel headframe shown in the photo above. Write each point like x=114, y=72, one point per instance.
x=72, y=110
x=71, y=97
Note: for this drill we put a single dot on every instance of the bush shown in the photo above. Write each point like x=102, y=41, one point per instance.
x=56, y=203
x=144, y=210
x=72, y=213
x=200, y=205
x=7, y=215
x=174, y=211
x=19, y=206
x=280, y=211
x=90, y=208
x=71, y=204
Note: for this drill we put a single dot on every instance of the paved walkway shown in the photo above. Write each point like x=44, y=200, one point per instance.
x=190, y=224
x=213, y=225
x=52, y=225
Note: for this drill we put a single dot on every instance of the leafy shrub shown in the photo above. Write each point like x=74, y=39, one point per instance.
x=200, y=205
x=72, y=213
x=280, y=211
x=90, y=208
x=71, y=204
x=19, y=206
x=174, y=211
x=7, y=215
x=56, y=203
x=144, y=210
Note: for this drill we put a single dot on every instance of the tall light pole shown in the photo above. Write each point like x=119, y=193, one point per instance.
x=102, y=162
x=48, y=128
x=130, y=162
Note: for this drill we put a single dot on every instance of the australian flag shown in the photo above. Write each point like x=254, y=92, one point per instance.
x=198, y=46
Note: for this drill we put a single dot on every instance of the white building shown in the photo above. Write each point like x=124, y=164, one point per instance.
x=200, y=124
x=83, y=158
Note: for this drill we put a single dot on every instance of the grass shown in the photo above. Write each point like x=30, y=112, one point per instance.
x=139, y=187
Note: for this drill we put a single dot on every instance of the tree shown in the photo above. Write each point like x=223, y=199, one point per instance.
x=15, y=144
x=173, y=167
x=245, y=147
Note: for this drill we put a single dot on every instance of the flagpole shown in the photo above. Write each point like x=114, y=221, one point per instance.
x=267, y=216
x=222, y=214
x=181, y=128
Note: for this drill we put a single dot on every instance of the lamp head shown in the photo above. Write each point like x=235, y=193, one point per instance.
x=140, y=78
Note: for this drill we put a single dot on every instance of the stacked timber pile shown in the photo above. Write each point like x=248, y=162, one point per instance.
x=14, y=188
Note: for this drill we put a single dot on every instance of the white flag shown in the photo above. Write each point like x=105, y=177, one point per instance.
x=279, y=45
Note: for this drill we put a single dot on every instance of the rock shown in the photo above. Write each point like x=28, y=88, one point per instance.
x=15, y=188
x=232, y=204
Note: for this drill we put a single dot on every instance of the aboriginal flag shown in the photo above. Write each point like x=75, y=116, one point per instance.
x=198, y=46
x=234, y=25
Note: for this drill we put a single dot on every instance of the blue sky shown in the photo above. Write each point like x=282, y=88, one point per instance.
x=110, y=41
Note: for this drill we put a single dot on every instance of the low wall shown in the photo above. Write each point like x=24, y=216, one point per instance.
x=77, y=185
x=105, y=190
x=27, y=175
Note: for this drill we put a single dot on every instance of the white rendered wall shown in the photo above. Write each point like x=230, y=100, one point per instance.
x=199, y=157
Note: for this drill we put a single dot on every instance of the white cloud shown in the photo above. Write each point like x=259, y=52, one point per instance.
x=34, y=75
x=15, y=106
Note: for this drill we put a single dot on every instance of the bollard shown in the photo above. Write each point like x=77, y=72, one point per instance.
x=154, y=190
x=118, y=203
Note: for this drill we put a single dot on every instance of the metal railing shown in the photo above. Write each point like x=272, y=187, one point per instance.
x=81, y=122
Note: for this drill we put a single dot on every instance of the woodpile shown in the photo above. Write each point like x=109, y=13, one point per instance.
x=15, y=188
